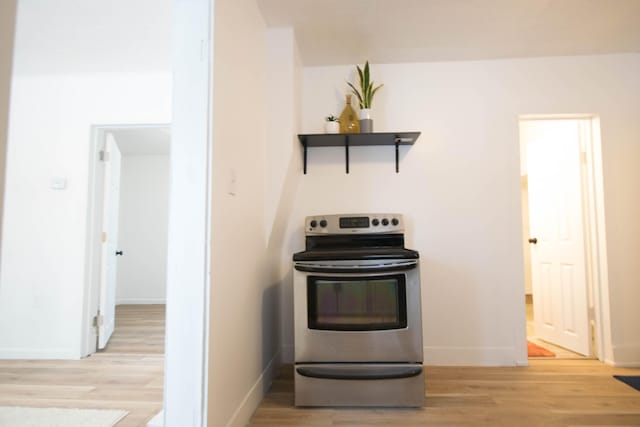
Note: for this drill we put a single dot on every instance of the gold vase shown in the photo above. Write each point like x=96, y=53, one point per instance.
x=349, y=119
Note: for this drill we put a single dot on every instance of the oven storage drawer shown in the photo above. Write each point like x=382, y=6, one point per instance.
x=375, y=385
x=359, y=372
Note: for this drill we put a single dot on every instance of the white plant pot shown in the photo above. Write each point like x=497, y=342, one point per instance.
x=366, y=122
x=331, y=127
x=364, y=114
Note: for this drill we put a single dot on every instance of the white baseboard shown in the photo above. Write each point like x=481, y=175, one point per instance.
x=625, y=356
x=157, y=421
x=471, y=356
x=136, y=301
x=39, y=354
x=243, y=414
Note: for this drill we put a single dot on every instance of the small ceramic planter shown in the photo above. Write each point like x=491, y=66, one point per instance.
x=366, y=122
x=331, y=127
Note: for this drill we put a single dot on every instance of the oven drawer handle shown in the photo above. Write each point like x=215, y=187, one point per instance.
x=361, y=374
x=364, y=269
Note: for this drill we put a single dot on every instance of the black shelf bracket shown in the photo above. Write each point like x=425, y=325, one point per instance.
x=397, y=156
x=304, y=161
x=346, y=154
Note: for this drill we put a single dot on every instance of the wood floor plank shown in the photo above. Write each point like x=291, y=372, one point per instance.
x=127, y=375
x=548, y=393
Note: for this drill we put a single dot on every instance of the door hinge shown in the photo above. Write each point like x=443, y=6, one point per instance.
x=104, y=236
x=583, y=157
x=104, y=156
x=98, y=320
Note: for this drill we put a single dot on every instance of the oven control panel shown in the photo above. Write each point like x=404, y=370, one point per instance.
x=354, y=223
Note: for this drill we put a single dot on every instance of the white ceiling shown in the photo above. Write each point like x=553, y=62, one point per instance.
x=137, y=141
x=332, y=32
x=135, y=35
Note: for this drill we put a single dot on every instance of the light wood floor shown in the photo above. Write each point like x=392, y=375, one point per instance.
x=128, y=375
x=549, y=393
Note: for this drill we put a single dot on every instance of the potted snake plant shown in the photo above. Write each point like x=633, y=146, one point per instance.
x=365, y=93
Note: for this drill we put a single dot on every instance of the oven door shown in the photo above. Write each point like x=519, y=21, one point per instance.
x=357, y=311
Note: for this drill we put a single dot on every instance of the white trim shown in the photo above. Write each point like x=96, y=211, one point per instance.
x=598, y=267
x=622, y=364
x=140, y=301
x=188, y=270
x=39, y=354
x=157, y=420
x=91, y=289
x=594, y=236
x=471, y=356
x=247, y=407
x=626, y=356
x=206, y=316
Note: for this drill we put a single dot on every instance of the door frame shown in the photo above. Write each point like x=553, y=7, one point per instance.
x=594, y=228
x=96, y=171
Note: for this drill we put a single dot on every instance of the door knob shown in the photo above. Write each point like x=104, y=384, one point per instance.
x=533, y=240
x=120, y=252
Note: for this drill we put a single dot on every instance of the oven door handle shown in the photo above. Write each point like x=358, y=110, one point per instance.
x=378, y=373
x=377, y=268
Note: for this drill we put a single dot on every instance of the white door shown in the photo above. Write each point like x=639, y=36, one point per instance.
x=109, y=263
x=558, y=265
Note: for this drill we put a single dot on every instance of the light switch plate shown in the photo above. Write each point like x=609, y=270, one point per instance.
x=58, y=183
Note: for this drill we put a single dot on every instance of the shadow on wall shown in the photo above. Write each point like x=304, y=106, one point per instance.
x=270, y=329
x=286, y=201
x=280, y=253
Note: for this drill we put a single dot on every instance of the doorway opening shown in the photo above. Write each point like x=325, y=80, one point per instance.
x=127, y=237
x=563, y=235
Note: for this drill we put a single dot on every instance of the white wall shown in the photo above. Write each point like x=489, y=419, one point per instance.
x=459, y=187
x=7, y=26
x=43, y=264
x=244, y=311
x=143, y=227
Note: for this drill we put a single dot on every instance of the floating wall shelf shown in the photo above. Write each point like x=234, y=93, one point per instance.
x=347, y=140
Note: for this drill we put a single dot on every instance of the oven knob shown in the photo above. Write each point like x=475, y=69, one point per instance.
x=385, y=221
x=323, y=223
x=375, y=222
x=395, y=221
x=313, y=223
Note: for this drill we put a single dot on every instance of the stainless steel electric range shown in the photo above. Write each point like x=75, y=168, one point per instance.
x=358, y=323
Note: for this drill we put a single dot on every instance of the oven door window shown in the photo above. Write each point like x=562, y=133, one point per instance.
x=357, y=304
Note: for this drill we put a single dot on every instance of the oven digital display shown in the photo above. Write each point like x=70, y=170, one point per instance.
x=354, y=222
